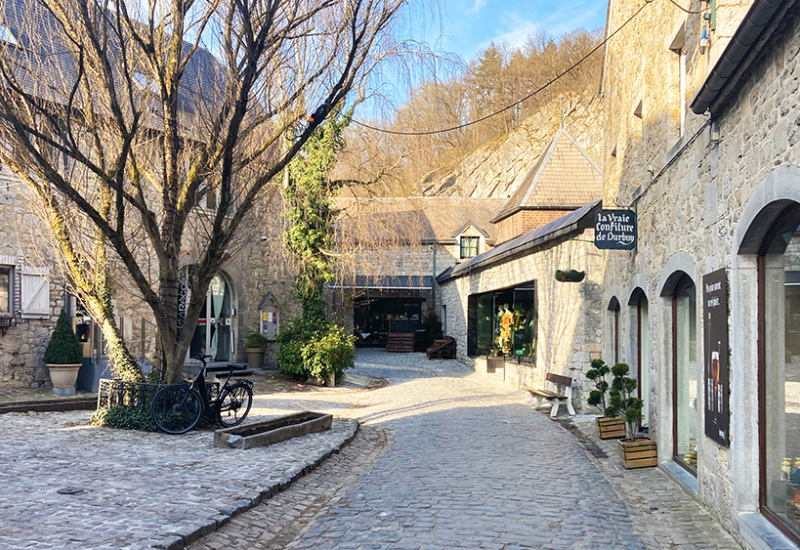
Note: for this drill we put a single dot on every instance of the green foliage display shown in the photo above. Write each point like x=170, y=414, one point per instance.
x=597, y=374
x=330, y=353
x=623, y=400
x=307, y=349
x=256, y=340
x=64, y=347
x=124, y=418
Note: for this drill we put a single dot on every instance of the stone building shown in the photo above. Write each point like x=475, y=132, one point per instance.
x=702, y=142
x=392, y=249
x=509, y=315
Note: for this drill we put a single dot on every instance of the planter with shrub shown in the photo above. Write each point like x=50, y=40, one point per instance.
x=610, y=425
x=255, y=346
x=63, y=357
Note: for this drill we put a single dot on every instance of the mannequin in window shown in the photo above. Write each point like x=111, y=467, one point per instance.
x=506, y=322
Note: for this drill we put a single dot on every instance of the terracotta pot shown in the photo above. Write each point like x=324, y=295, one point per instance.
x=64, y=377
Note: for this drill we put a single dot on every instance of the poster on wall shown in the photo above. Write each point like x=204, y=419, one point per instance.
x=716, y=380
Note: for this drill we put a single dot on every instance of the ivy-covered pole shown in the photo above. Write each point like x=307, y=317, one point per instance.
x=311, y=215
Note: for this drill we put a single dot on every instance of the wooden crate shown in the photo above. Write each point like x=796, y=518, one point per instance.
x=641, y=453
x=610, y=427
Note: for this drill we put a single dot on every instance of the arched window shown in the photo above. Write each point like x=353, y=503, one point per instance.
x=613, y=323
x=685, y=373
x=776, y=229
x=641, y=349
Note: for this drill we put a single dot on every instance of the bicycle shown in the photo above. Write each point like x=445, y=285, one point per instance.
x=178, y=408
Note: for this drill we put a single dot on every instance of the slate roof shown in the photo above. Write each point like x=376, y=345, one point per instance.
x=564, y=177
x=574, y=222
x=413, y=219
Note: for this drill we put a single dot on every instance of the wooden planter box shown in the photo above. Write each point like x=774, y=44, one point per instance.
x=638, y=454
x=610, y=427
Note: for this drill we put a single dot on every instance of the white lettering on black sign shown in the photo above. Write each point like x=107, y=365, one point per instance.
x=615, y=229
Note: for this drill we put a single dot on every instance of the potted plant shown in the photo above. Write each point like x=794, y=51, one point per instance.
x=636, y=452
x=63, y=357
x=610, y=425
x=255, y=345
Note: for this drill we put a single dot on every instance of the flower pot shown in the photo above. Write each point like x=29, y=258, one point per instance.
x=255, y=357
x=641, y=453
x=64, y=377
x=610, y=427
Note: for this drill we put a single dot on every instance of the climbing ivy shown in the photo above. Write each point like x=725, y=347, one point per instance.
x=310, y=213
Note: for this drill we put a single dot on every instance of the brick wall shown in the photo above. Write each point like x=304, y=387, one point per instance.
x=524, y=221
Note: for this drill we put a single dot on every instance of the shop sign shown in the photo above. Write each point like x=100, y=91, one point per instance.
x=715, y=331
x=615, y=229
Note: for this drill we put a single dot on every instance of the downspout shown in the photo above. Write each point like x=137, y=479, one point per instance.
x=433, y=279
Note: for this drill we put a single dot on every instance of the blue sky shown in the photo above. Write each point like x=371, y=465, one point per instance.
x=467, y=26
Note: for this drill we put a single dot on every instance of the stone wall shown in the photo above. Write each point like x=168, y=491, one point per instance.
x=568, y=327
x=690, y=202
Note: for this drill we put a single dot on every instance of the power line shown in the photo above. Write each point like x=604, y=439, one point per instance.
x=519, y=101
x=685, y=10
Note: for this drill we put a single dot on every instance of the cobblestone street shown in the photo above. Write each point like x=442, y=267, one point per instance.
x=444, y=459
x=449, y=459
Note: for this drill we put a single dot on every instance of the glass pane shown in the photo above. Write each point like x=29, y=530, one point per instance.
x=485, y=328
x=5, y=289
x=524, y=332
x=687, y=373
x=782, y=315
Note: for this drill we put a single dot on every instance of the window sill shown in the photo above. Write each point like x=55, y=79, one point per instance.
x=761, y=534
x=679, y=474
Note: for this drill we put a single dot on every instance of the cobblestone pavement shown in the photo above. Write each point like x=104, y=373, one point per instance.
x=123, y=489
x=468, y=464
x=664, y=516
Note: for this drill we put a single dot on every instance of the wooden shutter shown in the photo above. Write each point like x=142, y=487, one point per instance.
x=35, y=295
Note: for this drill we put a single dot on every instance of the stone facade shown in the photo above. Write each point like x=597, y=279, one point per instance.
x=697, y=195
x=569, y=325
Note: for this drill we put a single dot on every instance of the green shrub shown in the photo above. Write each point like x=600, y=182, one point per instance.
x=597, y=374
x=292, y=337
x=308, y=348
x=256, y=340
x=330, y=353
x=124, y=418
x=623, y=400
x=432, y=326
x=64, y=347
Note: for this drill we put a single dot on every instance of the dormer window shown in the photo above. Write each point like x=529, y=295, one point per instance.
x=469, y=247
x=7, y=36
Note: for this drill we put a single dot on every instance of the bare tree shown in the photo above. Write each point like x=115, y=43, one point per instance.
x=123, y=117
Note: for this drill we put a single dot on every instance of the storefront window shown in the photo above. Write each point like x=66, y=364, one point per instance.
x=780, y=277
x=504, y=323
x=686, y=372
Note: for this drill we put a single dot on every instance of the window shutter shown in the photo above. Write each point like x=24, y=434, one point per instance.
x=35, y=295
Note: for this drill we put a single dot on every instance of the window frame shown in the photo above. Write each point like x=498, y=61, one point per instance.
x=466, y=242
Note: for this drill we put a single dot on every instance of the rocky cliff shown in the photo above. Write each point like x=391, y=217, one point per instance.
x=497, y=168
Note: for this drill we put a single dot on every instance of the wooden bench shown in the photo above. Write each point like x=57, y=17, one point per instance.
x=442, y=349
x=563, y=387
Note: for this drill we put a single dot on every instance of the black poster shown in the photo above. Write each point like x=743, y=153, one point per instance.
x=716, y=381
x=615, y=229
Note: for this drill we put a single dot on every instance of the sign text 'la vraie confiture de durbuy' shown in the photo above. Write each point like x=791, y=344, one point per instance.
x=615, y=229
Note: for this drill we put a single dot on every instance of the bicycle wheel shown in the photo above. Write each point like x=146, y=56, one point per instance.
x=235, y=404
x=176, y=409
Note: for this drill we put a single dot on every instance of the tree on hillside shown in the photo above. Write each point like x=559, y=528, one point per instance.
x=497, y=78
x=145, y=131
